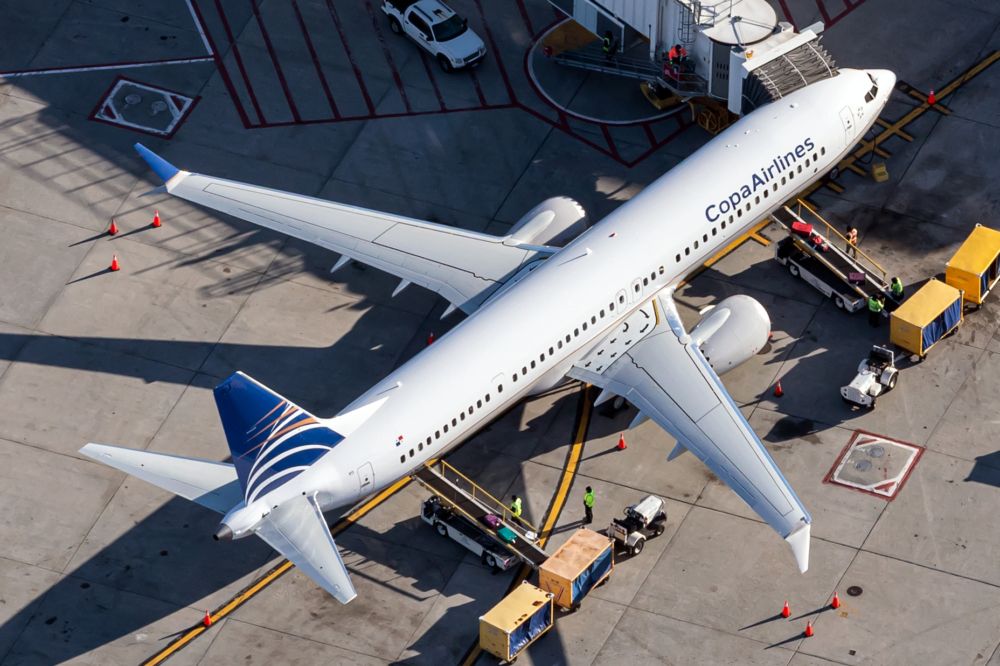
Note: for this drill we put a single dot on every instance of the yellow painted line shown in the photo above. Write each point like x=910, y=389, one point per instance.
x=763, y=240
x=274, y=574
x=558, y=500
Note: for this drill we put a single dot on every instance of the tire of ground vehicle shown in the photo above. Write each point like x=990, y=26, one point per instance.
x=442, y=530
x=394, y=26
x=839, y=302
x=637, y=548
x=489, y=560
x=658, y=529
x=892, y=382
x=445, y=64
x=793, y=269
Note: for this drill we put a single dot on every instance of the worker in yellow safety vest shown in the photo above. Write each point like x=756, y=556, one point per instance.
x=875, y=306
x=607, y=44
x=588, y=506
x=515, y=506
x=896, y=288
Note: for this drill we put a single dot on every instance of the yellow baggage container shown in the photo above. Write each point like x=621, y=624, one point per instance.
x=579, y=565
x=975, y=268
x=516, y=622
x=926, y=317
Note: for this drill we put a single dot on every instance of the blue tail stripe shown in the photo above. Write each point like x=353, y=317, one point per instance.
x=255, y=420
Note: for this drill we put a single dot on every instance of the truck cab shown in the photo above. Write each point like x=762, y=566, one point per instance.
x=436, y=28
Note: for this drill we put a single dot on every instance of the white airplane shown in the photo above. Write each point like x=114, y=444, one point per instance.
x=599, y=310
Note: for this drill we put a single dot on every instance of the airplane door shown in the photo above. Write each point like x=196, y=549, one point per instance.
x=366, y=478
x=847, y=118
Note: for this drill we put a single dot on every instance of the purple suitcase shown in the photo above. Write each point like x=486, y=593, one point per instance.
x=492, y=521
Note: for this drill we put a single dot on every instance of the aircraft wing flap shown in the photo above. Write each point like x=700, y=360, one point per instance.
x=297, y=529
x=666, y=377
x=462, y=266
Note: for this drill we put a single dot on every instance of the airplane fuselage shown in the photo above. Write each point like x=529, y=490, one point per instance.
x=527, y=338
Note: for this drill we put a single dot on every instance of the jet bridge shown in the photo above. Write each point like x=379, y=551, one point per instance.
x=465, y=496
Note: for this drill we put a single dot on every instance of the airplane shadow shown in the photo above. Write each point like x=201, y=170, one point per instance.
x=986, y=470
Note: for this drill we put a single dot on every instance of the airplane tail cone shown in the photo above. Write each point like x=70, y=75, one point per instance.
x=932, y=98
x=156, y=219
x=113, y=229
x=809, y=630
x=778, y=391
x=786, y=611
x=835, y=603
x=114, y=263
x=621, y=442
x=207, y=620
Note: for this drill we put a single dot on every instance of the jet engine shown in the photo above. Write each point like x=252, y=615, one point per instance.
x=555, y=221
x=731, y=332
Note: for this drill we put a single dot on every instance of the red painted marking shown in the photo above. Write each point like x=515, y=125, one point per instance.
x=109, y=111
x=849, y=8
x=496, y=54
x=401, y=114
x=611, y=142
x=430, y=75
x=822, y=12
x=788, y=13
x=649, y=133
x=388, y=57
x=315, y=59
x=350, y=57
x=479, y=89
x=274, y=60
x=226, y=80
x=885, y=486
x=179, y=101
x=239, y=64
x=524, y=16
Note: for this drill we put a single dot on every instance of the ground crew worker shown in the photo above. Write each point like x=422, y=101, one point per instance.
x=515, y=506
x=852, y=242
x=588, y=506
x=896, y=288
x=875, y=306
x=606, y=44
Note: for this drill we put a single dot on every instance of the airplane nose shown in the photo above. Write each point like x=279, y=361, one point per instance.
x=886, y=80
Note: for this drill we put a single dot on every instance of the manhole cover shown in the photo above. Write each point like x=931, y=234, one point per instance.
x=854, y=591
x=159, y=106
x=874, y=464
x=132, y=99
x=125, y=105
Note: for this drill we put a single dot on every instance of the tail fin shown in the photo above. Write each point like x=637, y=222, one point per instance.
x=271, y=439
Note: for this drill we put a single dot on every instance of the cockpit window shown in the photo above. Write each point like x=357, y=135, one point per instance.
x=873, y=91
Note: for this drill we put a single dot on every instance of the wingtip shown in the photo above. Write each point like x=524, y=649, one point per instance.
x=799, y=542
x=164, y=169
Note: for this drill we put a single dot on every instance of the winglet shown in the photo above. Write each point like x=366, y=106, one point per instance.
x=163, y=168
x=799, y=541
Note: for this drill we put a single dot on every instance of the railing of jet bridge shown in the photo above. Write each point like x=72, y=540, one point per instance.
x=865, y=261
x=463, y=484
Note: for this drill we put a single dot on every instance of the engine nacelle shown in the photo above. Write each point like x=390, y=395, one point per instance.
x=731, y=332
x=555, y=221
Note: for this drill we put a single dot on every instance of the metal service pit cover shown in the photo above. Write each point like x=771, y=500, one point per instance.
x=143, y=107
x=874, y=464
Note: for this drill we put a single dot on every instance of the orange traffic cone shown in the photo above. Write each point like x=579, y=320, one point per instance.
x=156, y=219
x=786, y=611
x=621, y=442
x=113, y=229
x=207, y=620
x=778, y=391
x=835, y=603
x=932, y=99
x=114, y=263
x=430, y=338
x=809, y=630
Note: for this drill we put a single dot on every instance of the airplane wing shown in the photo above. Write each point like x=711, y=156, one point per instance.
x=462, y=266
x=296, y=529
x=653, y=363
x=212, y=484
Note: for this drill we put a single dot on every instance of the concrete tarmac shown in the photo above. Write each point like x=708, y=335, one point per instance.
x=320, y=98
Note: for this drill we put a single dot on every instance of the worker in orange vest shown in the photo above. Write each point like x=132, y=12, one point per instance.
x=852, y=242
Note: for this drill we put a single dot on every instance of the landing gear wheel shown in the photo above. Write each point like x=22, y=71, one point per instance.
x=394, y=26
x=793, y=269
x=442, y=530
x=445, y=64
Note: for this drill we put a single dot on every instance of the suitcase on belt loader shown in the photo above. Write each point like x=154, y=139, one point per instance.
x=492, y=521
x=507, y=535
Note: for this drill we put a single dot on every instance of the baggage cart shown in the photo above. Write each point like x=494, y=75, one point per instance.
x=519, y=620
x=583, y=562
x=926, y=317
x=975, y=267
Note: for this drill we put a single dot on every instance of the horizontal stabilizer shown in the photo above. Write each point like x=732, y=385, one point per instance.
x=296, y=529
x=211, y=484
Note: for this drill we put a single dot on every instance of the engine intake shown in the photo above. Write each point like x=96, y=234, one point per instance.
x=732, y=331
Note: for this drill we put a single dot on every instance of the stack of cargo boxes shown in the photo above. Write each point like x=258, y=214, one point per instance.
x=516, y=622
x=975, y=268
x=580, y=564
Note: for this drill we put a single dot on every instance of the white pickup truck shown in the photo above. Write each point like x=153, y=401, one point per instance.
x=438, y=29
